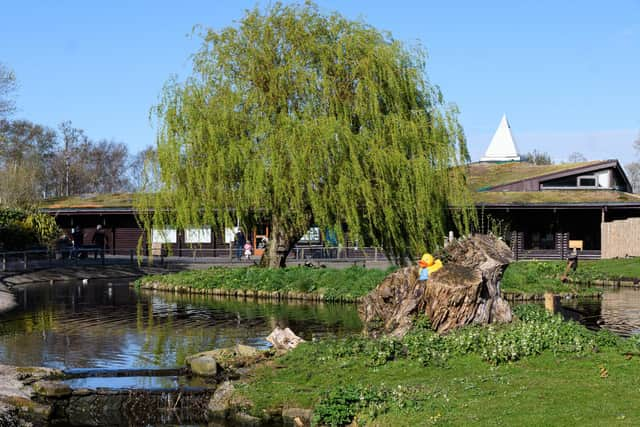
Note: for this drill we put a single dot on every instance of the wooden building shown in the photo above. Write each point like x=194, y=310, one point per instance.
x=116, y=215
x=539, y=208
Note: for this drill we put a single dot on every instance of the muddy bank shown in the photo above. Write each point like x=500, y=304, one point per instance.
x=65, y=274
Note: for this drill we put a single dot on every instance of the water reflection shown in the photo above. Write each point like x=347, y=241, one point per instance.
x=618, y=310
x=109, y=325
x=147, y=383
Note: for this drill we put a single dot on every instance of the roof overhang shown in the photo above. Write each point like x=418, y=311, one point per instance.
x=611, y=205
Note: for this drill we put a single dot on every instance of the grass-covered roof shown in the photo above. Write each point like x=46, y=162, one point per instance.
x=484, y=176
x=91, y=201
x=554, y=197
x=480, y=176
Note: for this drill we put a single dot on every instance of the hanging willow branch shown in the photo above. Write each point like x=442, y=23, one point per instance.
x=295, y=117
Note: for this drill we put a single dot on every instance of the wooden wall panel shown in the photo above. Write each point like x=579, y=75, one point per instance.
x=621, y=238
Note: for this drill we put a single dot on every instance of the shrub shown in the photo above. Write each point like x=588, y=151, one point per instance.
x=534, y=331
x=44, y=227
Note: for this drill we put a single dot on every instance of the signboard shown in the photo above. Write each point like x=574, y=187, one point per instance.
x=197, y=235
x=312, y=235
x=167, y=235
x=229, y=235
x=575, y=244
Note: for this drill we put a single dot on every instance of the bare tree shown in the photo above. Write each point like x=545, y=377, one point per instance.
x=633, y=173
x=7, y=87
x=576, y=157
x=26, y=153
x=72, y=141
x=107, y=164
x=144, y=170
x=537, y=158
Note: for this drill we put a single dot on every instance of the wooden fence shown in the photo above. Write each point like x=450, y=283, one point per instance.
x=621, y=238
x=560, y=251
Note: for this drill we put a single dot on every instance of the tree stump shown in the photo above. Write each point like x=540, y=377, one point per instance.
x=466, y=290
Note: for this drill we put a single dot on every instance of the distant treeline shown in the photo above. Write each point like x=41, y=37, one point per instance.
x=37, y=162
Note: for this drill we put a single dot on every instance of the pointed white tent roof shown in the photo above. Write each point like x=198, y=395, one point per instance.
x=502, y=147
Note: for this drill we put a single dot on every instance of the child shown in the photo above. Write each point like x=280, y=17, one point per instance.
x=247, y=250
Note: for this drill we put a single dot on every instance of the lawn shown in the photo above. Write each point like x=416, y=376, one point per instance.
x=335, y=284
x=537, y=371
x=544, y=276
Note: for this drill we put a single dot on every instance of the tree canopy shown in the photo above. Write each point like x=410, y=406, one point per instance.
x=295, y=117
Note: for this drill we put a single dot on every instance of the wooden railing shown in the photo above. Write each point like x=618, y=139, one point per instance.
x=43, y=258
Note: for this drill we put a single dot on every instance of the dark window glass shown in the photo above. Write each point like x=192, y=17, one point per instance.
x=587, y=182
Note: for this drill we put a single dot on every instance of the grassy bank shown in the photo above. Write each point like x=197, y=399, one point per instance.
x=538, y=370
x=334, y=284
x=540, y=276
x=527, y=279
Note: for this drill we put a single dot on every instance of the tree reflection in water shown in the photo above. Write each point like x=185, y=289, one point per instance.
x=109, y=325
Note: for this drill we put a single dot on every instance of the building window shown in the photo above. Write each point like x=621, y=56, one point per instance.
x=589, y=181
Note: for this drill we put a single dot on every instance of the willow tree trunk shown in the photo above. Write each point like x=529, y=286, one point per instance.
x=279, y=245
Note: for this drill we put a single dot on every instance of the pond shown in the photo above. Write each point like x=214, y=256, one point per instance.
x=618, y=311
x=110, y=325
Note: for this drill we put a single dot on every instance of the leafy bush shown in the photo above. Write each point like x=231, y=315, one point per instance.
x=20, y=229
x=45, y=228
x=531, y=313
x=534, y=331
x=10, y=216
x=339, y=406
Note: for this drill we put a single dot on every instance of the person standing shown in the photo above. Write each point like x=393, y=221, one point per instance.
x=240, y=241
x=77, y=240
x=100, y=241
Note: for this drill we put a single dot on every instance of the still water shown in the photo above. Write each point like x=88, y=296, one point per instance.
x=110, y=325
x=618, y=311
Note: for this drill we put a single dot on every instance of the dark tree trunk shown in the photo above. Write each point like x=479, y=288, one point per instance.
x=279, y=245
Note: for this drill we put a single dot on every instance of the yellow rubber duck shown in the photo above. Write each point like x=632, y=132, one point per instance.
x=428, y=265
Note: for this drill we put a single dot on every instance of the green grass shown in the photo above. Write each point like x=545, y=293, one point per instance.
x=335, y=284
x=523, y=277
x=608, y=269
x=538, y=277
x=593, y=383
x=535, y=277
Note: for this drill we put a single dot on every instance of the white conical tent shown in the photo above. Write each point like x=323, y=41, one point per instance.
x=503, y=147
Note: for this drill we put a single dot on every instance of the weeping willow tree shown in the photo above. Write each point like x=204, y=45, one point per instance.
x=295, y=117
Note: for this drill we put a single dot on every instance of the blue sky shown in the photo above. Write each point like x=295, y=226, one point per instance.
x=566, y=73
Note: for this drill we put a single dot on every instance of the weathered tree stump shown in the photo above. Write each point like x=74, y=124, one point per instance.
x=466, y=290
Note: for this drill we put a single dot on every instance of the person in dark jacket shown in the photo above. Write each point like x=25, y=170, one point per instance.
x=100, y=241
x=240, y=241
x=77, y=240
